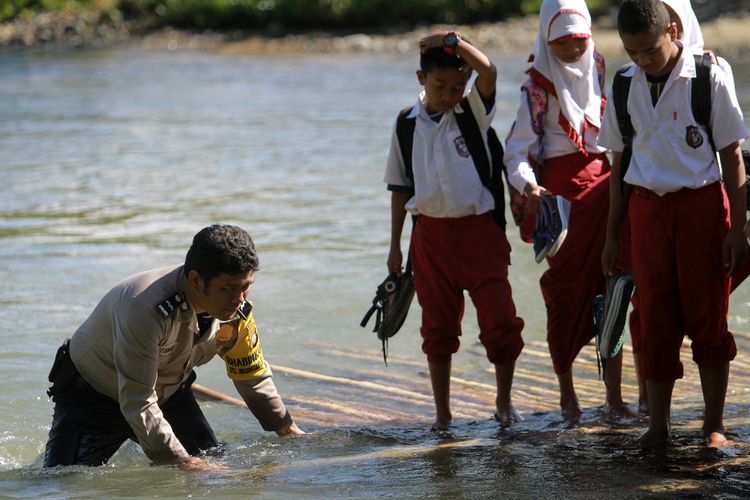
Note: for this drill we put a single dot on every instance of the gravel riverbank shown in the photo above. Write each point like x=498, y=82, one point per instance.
x=727, y=34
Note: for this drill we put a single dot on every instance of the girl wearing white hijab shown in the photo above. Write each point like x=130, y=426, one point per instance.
x=552, y=149
x=690, y=34
x=688, y=28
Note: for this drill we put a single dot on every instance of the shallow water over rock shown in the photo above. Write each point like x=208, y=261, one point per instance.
x=112, y=160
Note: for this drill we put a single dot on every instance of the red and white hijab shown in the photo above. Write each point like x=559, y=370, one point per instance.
x=575, y=85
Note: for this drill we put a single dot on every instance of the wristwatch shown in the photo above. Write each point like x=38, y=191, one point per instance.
x=450, y=42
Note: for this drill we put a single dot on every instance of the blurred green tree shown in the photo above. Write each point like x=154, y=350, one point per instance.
x=294, y=14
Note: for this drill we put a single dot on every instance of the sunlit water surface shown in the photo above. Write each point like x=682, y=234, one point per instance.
x=112, y=160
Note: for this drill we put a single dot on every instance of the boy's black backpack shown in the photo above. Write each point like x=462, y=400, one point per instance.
x=490, y=169
x=700, y=102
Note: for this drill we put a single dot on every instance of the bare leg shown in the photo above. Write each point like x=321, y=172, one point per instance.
x=660, y=405
x=714, y=384
x=614, y=405
x=440, y=376
x=570, y=408
x=642, y=389
x=504, y=411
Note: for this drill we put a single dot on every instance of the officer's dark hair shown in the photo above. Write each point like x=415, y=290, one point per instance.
x=643, y=16
x=221, y=249
x=438, y=58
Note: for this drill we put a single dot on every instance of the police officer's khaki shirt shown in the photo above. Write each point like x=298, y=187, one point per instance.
x=142, y=341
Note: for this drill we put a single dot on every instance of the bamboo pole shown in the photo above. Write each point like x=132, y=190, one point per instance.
x=204, y=393
x=348, y=381
x=372, y=394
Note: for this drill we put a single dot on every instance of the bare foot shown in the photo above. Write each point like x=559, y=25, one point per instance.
x=643, y=408
x=441, y=424
x=617, y=411
x=653, y=438
x=718, y=440
x=571, y=411
x=507, y=416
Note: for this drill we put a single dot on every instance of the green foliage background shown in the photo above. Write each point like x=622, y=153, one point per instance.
x=289, y=14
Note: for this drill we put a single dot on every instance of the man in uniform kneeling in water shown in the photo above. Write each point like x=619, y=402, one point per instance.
x=128, y=369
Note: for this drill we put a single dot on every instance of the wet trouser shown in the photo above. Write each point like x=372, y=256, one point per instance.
x=88, y=427
x=682, y=284
x=574, y=276
x=467, y=253
x=634, y=323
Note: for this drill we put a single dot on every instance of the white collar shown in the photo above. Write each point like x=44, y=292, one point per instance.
x=419, y=107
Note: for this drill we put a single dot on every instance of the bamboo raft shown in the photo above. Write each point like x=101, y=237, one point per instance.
x=400, y=394
x=355, y=392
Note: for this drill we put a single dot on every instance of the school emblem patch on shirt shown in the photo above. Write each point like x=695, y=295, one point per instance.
x=461, y=148
x=693, y=136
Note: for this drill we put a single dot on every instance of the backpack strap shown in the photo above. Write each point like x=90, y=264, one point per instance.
x=489, y=167
x=700, y=97
x=496, y=180
x=601, y=68
x=405, y=134
x=474, y=142
x=620, y=91
x=537, y=102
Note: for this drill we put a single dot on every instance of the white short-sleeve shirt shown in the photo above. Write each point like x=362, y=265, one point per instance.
x=670, y=150
x=446, y=182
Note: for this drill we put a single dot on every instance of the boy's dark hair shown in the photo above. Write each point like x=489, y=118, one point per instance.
x=643, y=16
x=438, y=58
x=221, y=249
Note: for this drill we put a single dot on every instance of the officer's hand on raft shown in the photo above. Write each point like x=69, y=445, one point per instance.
x=735, y=251
x=289, y=430
x=534, y=194
x=196, y=464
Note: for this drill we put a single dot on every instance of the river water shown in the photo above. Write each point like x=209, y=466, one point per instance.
x=112, y=160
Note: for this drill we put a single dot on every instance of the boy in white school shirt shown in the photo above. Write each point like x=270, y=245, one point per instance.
x=686, y=227
x=456, y=245
x=689, y=33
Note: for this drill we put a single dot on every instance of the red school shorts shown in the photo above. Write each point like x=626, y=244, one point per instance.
x=450, y=255
x=574, y=276
x=682, y=284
